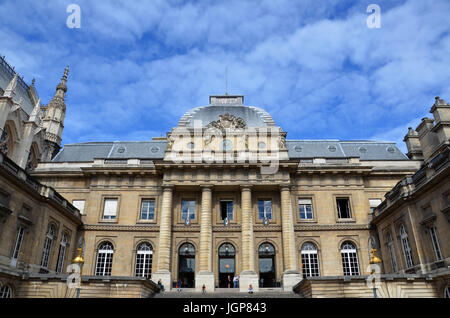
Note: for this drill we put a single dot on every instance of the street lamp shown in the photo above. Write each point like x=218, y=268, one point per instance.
x=374, y=259
x=79, y=260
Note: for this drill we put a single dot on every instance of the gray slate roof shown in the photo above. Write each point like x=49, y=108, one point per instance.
x=6, y=75
x=297, y=149
x=365, y=150
x=87, y=152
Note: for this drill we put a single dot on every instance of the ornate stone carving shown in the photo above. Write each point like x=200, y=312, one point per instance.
x=170, y=141
x=282, y=142
x=228, y=121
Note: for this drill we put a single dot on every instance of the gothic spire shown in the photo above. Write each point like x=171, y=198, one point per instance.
x=61, y=89
x=10, y=90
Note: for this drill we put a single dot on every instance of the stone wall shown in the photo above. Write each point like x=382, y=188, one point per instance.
x=92, y=287
x=391, y=286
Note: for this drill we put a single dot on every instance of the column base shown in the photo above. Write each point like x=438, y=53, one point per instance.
x=290, y=278
x=166, y=278
x=204, y=278
x=247, y=278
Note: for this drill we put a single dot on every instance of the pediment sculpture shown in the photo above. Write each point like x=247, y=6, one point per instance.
x=228, y=121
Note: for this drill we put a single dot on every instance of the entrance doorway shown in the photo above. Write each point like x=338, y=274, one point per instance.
x=226, y=265
x=266, y=255
x=186, y=265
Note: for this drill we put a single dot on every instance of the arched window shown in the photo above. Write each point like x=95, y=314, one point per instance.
x=349, y=259
x=267, y=270
x=226, y=249
x=391, y=250
x=447, y=292
x=48, y=244
x=5, y=291
x=406, y=247
x=144, y=257
x=103, y=265
x=310, y=260
x=62, y=253
x=186, y=265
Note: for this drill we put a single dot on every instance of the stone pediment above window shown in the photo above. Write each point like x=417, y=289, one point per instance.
x=24, y=220
x=428, y=219
x=228, y=122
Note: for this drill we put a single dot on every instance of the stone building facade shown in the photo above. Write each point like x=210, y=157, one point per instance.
x=224, y=193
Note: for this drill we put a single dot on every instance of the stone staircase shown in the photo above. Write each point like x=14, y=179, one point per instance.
x=228, y=293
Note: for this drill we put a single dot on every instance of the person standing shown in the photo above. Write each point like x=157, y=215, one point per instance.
x=179, y=285
x=235, y=280
x=160, y=285
x=229, y=281
x=203, y=289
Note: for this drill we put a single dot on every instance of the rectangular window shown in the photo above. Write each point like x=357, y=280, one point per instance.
x=226, y=210
x=187, y=209
x=148, y=210
x=305, y=209
x=4, y=199
x=79, y=204
x=18, y=244
x=343, y=205
x=110, y=209
x=373, y=204
x=265, y=209
x=434, y=240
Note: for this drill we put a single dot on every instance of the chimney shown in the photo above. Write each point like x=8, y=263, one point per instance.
x=441, y=114
x=428, y=138
x=413, y=144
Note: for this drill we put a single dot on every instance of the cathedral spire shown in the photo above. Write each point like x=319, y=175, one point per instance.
x=61, y=88
x=53, y=121
x=10, y=90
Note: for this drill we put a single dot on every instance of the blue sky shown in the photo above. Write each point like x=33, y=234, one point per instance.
x=137, y=66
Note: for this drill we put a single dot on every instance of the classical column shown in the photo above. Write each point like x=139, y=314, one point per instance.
x=163, y=264
x=291, y=276
x=248, y=275
x=205, y=276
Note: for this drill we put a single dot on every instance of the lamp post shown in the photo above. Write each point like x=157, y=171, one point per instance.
x=374, y=260
x=79, y=260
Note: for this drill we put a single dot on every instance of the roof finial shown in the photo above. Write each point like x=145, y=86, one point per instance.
x=66, y=72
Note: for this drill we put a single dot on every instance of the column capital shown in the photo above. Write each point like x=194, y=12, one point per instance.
x=206, y=186
x=246, y=187
x=285, y=187
x=168, y=187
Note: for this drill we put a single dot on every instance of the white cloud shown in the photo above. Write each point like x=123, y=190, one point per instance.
x=137, y=66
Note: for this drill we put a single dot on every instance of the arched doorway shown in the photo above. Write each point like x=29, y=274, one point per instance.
x=186, y=265
x=226, y=265
x=266, y=254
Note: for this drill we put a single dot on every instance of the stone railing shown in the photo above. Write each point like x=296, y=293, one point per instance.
x=409, y=185
x=40, y=189
x=438, y=161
